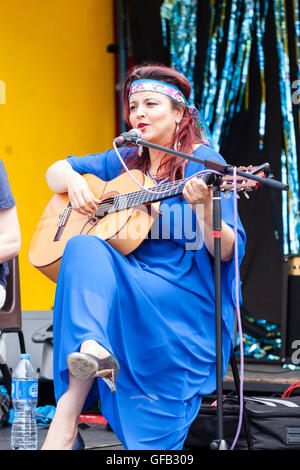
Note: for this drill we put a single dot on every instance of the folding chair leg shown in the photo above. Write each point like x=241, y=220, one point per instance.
x=20, y=335
x=6, y=374
x=21, y=341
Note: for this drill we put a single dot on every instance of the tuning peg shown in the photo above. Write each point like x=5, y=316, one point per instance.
x=246, y=195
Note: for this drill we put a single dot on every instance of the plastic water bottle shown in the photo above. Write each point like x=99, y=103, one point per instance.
x=24, y=394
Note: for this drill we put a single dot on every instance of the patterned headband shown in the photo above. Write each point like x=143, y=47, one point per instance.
x=160, y=87
x=174, y=93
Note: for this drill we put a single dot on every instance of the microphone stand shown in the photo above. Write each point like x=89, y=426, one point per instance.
x=219, y=443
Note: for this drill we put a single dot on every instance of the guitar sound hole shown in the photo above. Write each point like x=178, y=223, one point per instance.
x=104, y=208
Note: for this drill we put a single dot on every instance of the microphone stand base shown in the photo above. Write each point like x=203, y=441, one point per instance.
x=219, y=445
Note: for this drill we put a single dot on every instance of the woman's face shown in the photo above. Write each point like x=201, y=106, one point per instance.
x=153, y=114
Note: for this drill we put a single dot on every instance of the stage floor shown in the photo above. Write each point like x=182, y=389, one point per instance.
x=260, y=378
x=95, y=436
x=263, y=377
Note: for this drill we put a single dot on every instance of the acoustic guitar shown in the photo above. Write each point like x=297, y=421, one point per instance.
x=123, y=217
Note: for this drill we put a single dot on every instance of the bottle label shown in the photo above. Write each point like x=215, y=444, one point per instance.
x=24, y=389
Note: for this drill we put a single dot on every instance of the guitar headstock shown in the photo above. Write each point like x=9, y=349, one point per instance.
x=244, y=184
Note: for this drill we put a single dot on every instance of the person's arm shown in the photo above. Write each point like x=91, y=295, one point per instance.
x=10, y=235
x=199, y=196
x=62, y=178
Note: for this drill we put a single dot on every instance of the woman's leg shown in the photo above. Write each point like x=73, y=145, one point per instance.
x=63, y=429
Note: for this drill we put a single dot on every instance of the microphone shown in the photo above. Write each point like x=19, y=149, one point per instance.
x=130, y=136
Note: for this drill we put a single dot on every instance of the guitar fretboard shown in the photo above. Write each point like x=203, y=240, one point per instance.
x=136, y=198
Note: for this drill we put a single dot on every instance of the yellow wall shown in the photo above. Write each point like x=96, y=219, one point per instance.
x=59, y=84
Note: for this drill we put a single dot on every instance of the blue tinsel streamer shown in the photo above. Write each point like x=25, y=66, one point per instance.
x=182, y=19
x=225, y=90
x=289, y=164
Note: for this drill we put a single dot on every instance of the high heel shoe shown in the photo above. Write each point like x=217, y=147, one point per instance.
x=78, y=443
x=85, y=366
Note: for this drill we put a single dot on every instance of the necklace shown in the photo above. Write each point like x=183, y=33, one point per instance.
x=149, y=174
x=157, y=181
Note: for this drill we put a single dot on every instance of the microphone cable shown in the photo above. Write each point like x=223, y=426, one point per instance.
x=238, y=315
x=156, y=191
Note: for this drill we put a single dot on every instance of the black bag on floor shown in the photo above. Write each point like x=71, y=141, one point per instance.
x=271, y=424
x=4, y=405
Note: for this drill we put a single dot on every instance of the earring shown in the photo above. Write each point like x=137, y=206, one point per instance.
x=176, y=143
x=140, y=150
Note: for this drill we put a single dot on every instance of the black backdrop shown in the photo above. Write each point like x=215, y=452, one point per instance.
x=261, y=215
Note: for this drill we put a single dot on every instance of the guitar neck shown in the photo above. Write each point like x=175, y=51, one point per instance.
x=158, y=193
x=175, y=188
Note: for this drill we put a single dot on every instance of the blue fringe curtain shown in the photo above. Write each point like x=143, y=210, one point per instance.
x=225, y=87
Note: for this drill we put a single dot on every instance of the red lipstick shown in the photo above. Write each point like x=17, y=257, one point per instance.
x=142, y=125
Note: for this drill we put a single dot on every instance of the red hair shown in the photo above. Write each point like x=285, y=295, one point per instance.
x=171, y=167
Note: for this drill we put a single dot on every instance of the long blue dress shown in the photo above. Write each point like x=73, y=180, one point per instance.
x=154, y=310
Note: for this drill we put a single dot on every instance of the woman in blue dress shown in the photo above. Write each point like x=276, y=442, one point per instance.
x=140, y=329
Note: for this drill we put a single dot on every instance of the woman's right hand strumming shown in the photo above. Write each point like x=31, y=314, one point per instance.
x=62, y=178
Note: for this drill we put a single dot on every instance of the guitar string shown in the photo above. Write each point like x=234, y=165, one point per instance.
x=154, y=191
x=138, y=197
x=124, y=201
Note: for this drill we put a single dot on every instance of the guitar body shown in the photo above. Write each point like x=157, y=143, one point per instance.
x=124, y=230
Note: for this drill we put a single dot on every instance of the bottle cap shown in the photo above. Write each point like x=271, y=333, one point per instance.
x=25, y=356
